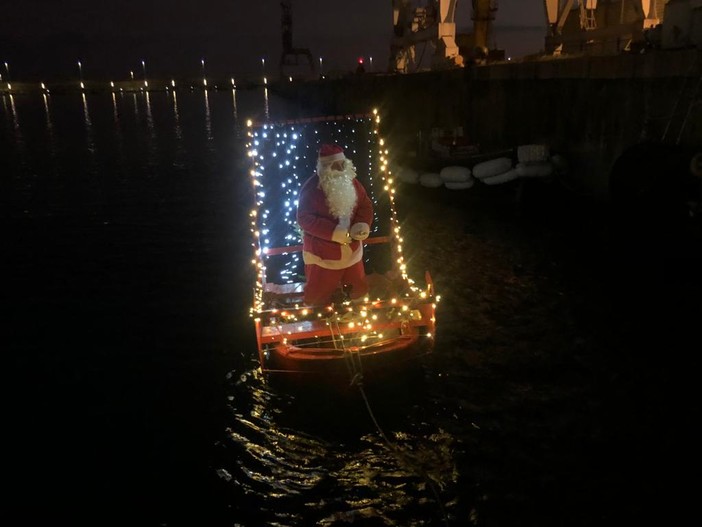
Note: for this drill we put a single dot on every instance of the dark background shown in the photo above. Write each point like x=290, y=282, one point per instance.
x=44, y=39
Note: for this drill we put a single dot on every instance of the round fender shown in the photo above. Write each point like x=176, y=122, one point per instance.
x=455, y=174
x=510, y=175
x=492, y=167
x=457, y=185
x=430, y=179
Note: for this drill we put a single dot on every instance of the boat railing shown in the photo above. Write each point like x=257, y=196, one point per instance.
x=289, y=296
x=272, y=251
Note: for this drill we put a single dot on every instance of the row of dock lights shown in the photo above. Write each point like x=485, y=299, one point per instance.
x=146, y=82
x=112, y=85
x=131, y=76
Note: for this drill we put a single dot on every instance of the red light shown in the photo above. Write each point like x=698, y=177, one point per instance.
x=360, y=60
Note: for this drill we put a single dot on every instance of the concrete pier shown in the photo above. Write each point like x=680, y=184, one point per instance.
x=589, y=109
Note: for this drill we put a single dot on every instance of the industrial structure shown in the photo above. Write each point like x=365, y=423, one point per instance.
x=433, y=24
x=573, y=27
x=606, y=27
x=290, y=65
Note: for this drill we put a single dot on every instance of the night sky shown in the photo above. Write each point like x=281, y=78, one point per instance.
x=43, y=39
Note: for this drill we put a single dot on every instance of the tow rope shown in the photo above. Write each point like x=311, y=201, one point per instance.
x=355, y=367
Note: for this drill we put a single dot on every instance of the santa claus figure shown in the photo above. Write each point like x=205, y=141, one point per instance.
x=335, y=214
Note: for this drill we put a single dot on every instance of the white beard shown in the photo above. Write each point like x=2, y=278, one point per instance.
x=338, y=188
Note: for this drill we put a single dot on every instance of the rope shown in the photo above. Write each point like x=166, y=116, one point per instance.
x=352, y=359
x=402, y=458
x=356, y=373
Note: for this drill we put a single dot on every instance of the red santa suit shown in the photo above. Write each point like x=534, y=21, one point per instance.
x=334, y=225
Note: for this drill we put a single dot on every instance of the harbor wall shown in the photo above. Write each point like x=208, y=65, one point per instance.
x=588, y=109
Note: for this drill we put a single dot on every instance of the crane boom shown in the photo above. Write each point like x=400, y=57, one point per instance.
x=290, y=57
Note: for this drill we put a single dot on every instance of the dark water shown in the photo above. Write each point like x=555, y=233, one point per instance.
x=561, y=392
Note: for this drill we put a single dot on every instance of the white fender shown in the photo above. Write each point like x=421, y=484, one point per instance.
x=457, y=185
x=430, y=179
x=493, y=167
x=455, y=174
x=533, y=170
x=408, y=175
x=510, y=175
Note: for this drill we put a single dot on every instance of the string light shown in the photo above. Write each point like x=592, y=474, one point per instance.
x=283, y=155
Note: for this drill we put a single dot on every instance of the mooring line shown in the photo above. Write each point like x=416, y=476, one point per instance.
x=356, y=373
x=396, y=451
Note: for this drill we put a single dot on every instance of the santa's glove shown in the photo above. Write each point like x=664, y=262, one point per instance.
x=359, y=231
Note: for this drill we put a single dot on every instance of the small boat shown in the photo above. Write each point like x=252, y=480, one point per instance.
x=393, y=327
x=452, y=145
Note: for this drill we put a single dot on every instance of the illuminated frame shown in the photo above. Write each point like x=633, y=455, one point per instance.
x=267, y=238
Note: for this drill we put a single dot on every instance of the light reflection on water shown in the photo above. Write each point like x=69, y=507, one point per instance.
x=146, y=209
x=149, y=177
x=19, y=138
x=88, y=125
x=317, y=458
x=208, y=121
x=150, y=188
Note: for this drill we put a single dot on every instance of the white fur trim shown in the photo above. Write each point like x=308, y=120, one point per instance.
x=340, y=235
x=348, y=258
x=334, y=157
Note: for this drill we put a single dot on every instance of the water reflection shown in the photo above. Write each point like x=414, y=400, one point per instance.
x=179, y=150
x=151, y=131
x=237, y=128
x=15, y=124
x=286, y=448
x=208, y=122
x=49, y=126
x=116, y=120
x=265, y=103
x=136, y=106
x=149, y=117
x=88, y=125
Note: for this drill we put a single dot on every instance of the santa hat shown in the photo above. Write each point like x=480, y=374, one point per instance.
x=330, y=153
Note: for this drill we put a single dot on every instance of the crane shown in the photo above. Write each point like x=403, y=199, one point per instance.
x=434, y=24
x=431, y=23
x=483, y=15
x=290, y=57
x=607, y=26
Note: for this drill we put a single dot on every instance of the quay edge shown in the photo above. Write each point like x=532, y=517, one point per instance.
x=590, y=109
